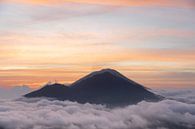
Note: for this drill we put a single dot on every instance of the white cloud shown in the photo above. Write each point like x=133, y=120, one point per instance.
x=53, y=114
x=182, y=95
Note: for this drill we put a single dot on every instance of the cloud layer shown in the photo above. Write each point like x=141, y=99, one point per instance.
x=53, y=114
x=182, y=95
x=40, y=39
x=160, y=3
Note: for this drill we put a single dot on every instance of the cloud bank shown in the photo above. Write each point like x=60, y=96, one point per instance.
x=53, y=114
x=182, y=95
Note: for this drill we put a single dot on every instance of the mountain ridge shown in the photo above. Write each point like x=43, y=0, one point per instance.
x=106, y=86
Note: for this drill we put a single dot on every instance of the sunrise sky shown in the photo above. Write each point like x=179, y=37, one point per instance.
x=149, y=41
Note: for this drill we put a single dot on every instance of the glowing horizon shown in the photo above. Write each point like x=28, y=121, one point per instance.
x=151, y=42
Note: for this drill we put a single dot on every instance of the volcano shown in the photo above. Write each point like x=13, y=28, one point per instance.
x=107, y=86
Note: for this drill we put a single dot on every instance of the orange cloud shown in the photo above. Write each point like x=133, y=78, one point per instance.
x=147, y=76
x=166, y=3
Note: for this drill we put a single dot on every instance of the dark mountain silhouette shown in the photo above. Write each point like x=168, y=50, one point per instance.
x=56, y=90
x=102, y=87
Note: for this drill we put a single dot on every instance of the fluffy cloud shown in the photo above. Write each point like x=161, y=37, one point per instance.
x=53, y=114
x=182, y=95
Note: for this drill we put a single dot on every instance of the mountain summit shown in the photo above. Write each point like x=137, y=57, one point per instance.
x=107, y=87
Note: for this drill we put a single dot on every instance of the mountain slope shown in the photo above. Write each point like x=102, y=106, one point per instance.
x=102, y=87
x=58, y=91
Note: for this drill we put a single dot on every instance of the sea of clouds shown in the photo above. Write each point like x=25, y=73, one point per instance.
x=182, y=95
x=52, y=114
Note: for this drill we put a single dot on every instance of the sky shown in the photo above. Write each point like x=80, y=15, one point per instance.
x=150, y=41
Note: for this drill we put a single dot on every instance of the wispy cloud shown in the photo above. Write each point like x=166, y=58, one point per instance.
x=40, y=37
x=159, y=3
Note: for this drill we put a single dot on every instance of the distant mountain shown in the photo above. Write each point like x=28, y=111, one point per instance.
x=57, y=91
x=101, y=87
x=13, y=92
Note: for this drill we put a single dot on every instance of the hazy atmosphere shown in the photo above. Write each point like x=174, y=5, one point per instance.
x=97, y=64
x=150, y=41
